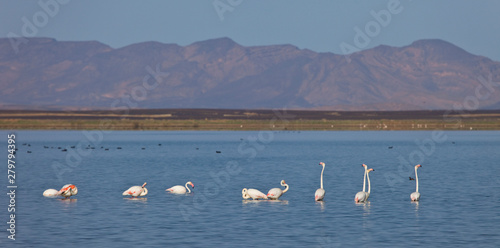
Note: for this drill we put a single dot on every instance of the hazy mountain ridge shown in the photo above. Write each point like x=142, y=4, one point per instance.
x=219, y=73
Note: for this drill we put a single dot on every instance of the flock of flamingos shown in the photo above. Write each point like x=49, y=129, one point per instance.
x=69, y=190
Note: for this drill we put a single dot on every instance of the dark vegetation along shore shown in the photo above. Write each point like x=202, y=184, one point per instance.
x=226, y=119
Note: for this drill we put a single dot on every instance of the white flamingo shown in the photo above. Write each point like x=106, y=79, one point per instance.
x=51, y=193
x=320, y=193
x=253, y=193
x=68, y=190
x=415, y=196
x=361, y=196
x=276, y=193
x=136, y=191
x=179, y=189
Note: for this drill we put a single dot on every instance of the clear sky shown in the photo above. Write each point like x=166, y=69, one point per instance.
x=318, y=25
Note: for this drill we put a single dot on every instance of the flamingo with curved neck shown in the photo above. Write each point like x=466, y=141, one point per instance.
x=415, y=196
x=276, y=193
x=320, y=193
x=179, y=189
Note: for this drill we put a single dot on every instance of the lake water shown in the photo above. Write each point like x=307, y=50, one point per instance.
x=459, y=184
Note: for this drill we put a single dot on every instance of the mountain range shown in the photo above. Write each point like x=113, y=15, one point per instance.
x=219, y=73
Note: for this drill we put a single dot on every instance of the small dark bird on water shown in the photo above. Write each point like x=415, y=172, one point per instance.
x=390, y=147
x=411, y=178
x=218, y=151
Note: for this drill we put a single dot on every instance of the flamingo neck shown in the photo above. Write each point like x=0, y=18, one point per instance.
x=244, y=193
x=368, y=178
x=416, y=178
x=364, y=181
x=189, y=191
x=322, y=176
x=286, y=188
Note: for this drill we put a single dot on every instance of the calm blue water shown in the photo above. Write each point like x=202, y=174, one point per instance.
x=458, y=181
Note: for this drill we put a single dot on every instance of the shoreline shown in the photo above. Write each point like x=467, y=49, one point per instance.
x=278, y=120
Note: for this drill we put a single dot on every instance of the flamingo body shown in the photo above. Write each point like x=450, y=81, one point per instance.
x=319, y=194
x=253, y=193
x=276, y=193
x=51, y=193
x=68, y=190
x=415, y=196
x=136, y=191
x=360, y=197
x=179, y=189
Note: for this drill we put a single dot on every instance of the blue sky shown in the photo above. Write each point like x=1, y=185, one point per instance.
x=321, y=26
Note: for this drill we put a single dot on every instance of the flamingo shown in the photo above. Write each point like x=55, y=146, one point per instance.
x=361, y=196
x=136, y=191
x=415, y=196
x=276, y=193
x=51, y=193
x=68, y=190
x=253, y=193
x=179, y=189
x=320, y=193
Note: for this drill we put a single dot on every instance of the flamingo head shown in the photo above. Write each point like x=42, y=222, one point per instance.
x=144, y=185
x=416, y=166
x=321, y=163
x=190, y=183
x=370, y=170
x=282, y=182
x=364, y=165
